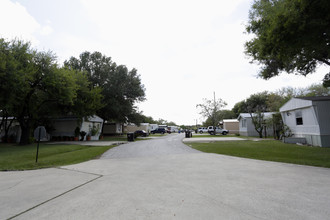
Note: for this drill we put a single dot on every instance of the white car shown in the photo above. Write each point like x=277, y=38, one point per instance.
x=202, y=130
x=216, y=130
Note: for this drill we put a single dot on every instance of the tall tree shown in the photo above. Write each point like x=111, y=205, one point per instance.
x=210, y=109
x=239, y=107
x=223, y=114
x=8, y=85
x=290, y=35
x=121, y=88
x=39, y=88
x=256, y=105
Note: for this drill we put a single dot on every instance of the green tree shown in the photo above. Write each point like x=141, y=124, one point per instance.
x=256, y=106
x=239, y=107
x=274, y=101
x=161, y=121
x=317, y=90
x=121, y=88
x=290, y=35
x=210, y=110
x=8, y=85
x=39, y=88
x=223, y=114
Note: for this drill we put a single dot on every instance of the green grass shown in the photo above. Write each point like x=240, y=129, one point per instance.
x=212, y=136
x=269, y=150
x=16, y=157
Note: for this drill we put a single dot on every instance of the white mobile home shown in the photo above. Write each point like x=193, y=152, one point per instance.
x=173, y=129
x=309, y=118
x=153, y=126
x=246, y=127
x=133, y=127
x=66, y=126
x=113, y=128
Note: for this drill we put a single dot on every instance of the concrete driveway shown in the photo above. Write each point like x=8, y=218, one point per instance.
x=184, y=184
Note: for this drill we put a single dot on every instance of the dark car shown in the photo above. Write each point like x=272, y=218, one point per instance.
x=158, y=130
x=140, y=133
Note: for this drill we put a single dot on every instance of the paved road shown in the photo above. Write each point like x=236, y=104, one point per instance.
x=172, y=184
x=166, y=145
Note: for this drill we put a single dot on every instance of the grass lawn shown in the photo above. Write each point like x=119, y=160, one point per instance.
x=212, y=136
x=270, y=150
x=16, y=157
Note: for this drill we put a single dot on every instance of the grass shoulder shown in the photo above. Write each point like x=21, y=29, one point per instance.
x=270, y=150
x=17, y=157
x=212, y=136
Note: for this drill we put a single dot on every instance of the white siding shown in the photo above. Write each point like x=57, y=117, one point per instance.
x=153, y=126
x=316, y=120
x=309, y=126
x=250, y=130
x=295, y=103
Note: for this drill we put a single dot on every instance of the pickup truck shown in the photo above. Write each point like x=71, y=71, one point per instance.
x=216, y=130
x=202, y=130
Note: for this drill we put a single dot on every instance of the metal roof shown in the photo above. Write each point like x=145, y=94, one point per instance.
x=247, y=115
x=315, y=98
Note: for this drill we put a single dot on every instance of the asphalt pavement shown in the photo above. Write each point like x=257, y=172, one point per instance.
x=164, y=179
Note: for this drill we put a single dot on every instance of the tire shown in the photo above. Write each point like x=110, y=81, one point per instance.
x=224, y=133
x=212, y=133
x=201, y=132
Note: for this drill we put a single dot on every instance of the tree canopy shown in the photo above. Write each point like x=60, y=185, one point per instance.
x=222, y=114
x=289, y=35
x=211, y=110
x=121, y=88
x=33, y=87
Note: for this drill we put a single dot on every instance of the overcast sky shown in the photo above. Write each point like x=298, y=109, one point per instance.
x=184, y=50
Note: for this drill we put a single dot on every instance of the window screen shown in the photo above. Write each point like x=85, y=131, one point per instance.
x=243, y=123
x=299, y=119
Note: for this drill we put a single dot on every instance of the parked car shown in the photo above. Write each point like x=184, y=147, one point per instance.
x=158, y=130
x=140, y=133
x=216, y=130
x=202, y=130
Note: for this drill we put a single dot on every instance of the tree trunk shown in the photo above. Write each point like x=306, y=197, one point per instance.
x=26, y=131
x=102, y=126
x=6, y=126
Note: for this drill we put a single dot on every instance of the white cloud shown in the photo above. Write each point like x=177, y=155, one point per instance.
x=46, y=30
x=15, y=21
x=184, y=50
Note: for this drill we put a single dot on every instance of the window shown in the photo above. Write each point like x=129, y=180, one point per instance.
x=243, y=123
x=299, y=119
